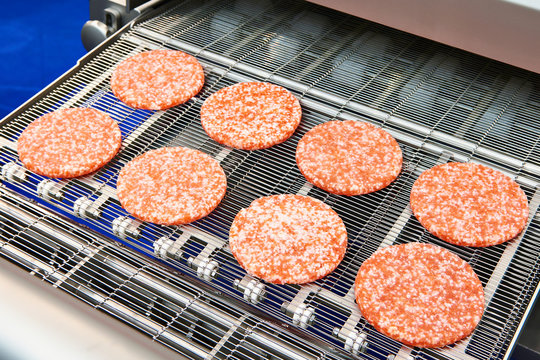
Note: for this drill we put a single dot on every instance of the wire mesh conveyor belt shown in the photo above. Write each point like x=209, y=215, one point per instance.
x=172, y=311
x=440, y=103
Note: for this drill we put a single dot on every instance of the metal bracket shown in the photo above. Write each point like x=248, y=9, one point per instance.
x=355, y=341
x=48, y=189
x=206, y=267
x=302, y=315
x=82, y=207
x=254, y=290
x=161, y=246
x=85, y=208
x=124, y=226
x=13, y=172
x=393, y=357
x=166, y=248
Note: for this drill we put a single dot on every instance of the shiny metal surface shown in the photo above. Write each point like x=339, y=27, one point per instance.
x=29, y=310
x=504, y=30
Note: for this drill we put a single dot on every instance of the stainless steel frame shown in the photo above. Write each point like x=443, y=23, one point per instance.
x=439, y=102
x=504, y=30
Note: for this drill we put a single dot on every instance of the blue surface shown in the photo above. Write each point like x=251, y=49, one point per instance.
x=39, y=41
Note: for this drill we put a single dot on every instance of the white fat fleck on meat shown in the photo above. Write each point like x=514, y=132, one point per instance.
x=157, y=79
x=69, y=142
x=349, y=157
x=288, y=239
x=419, y=294
x=251, y=115
x=171, y=186
x=469, y=204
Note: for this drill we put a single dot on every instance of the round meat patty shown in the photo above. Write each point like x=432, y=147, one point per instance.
x=349, y=157
x=469, y=204
x=171, y=186
x=419, y=294
x=157, y=79
x=70, y=142
x=288, y=239
x=251, y=115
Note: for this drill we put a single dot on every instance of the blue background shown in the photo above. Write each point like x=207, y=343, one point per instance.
x=39, y=41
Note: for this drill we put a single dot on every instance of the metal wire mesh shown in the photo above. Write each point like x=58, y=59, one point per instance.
x=440, y=103
x=174, y=312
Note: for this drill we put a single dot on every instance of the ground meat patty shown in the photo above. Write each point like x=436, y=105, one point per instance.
x=419, y=294
x=157, y=79
x=171, y=186
x=70, y=142
x=349, y=157
x=288, y=239
x=251, y=115
x=469, y=204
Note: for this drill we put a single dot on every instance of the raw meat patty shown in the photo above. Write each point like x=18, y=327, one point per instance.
x=349, y=157
x=171, y=186
x=288, y=239
x=251, y=115
x=70, y=142
x=469, y=204
x=419, y=294
x=157, y=79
